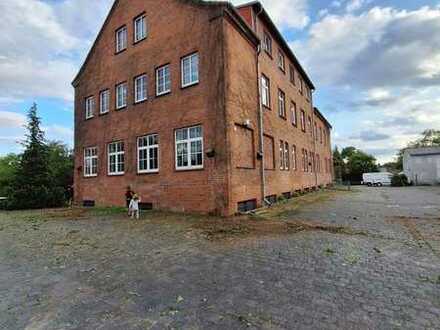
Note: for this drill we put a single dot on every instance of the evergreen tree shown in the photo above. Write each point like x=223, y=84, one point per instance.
x=33, y=186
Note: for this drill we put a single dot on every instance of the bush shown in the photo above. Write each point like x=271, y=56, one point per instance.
x=399, y=180
x=28, y=197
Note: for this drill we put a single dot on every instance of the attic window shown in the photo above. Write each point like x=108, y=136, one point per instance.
x=121, y=39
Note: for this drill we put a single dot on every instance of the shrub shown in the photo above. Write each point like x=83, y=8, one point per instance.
x=399, y=180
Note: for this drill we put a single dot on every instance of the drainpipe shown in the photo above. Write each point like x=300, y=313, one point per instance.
x=260, y=117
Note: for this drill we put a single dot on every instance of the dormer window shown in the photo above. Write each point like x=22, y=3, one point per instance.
x=121, y=39
x=140, y=28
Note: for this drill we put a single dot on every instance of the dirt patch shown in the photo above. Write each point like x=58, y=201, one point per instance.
x=247, y=227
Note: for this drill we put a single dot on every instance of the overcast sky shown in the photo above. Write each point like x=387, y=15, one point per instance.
x=375, y=63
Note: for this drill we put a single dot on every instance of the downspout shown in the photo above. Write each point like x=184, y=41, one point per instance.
x=260, y=117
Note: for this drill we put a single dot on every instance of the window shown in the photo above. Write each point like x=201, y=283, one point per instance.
x=316, y=131
x=90, y=162
x=190, y=70
x=292, y=74
x=281, y=104
x=148, y=154
x=116, y=158
x=265, y=91
x=301, y=86
x=318, y=163
x=121, y=39
x=293, y=113
x=294, y=161
x=267, y=43
x=121, y=95
x=286, y=156
x=282, y=159
x=303, y=121
x=140, y=28
x=140, y=88
x=310, y=126
x=90, y=107
x=307, y=160
x=281, y=61
x=163, y=80
x=189, y=148
x=312, y=162
x=104, y=101
x=320, y=135
x=304, y=161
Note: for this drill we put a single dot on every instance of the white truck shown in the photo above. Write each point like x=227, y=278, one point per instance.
x=378, y=179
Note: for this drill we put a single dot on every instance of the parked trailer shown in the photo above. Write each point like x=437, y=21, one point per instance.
x=377, y=179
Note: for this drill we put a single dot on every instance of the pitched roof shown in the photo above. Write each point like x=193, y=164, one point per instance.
x=265, y=16
x=321, y=116
x=227, y=6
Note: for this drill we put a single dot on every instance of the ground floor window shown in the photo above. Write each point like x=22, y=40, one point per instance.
x=189, y=148
x=148, y=154
x=116, y=158
x=91, y=161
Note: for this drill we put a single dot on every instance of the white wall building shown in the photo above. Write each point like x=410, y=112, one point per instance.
x=422, y=165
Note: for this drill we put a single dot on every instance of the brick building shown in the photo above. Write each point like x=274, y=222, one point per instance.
x=199, y=107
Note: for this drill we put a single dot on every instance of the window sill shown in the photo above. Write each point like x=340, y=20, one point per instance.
x=268, y=54
x=104, y=113
x=163, y=94
x=90, y=118
x=140, y=102
x=245, y=168
x=282, y=117
x=189, y=169
x=147, y=172
x=190, y=85
x=120, y=51
x=116, y=174
x=90, y=176
x=121, y=108
x=135, y=42
x=267, y=108
x=282, y=70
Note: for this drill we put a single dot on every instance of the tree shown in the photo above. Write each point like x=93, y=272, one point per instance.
x=338, y=164
x=351, y=163
x=60, y=164
x=33, y=185
x=8, y=167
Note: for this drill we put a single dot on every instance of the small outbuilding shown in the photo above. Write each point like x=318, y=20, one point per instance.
x=422, y=165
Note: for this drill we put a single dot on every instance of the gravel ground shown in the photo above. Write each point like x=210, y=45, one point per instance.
x=369, y=259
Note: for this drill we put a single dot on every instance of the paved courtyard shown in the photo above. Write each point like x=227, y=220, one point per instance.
x=368, y=259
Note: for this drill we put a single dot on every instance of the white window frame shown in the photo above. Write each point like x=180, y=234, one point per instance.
x=265, y=91
x=140, y=91
x=282, y=156
x=267, y=44
x=90, y=107
x=121, y=39
x=124, y=87
x=294, y=158
x=192, y=68
x=281, y=60
x=293, y=114
x=188, y=142
x=90, y=155
x=282, y=104
x=286, y=156
x=104, y=101
x=117, y=154
x=160, y=74
x=140, y=35
x=149, y=147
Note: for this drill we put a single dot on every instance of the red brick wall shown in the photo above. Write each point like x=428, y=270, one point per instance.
x=175, y=29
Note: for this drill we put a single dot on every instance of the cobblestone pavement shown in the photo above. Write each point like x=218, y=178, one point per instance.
x=106, y=272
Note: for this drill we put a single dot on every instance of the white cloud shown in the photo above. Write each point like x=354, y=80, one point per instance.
x=383, y=64
x=11, y=120
x=285, y=13
x=43, y=45
x=354, y=5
